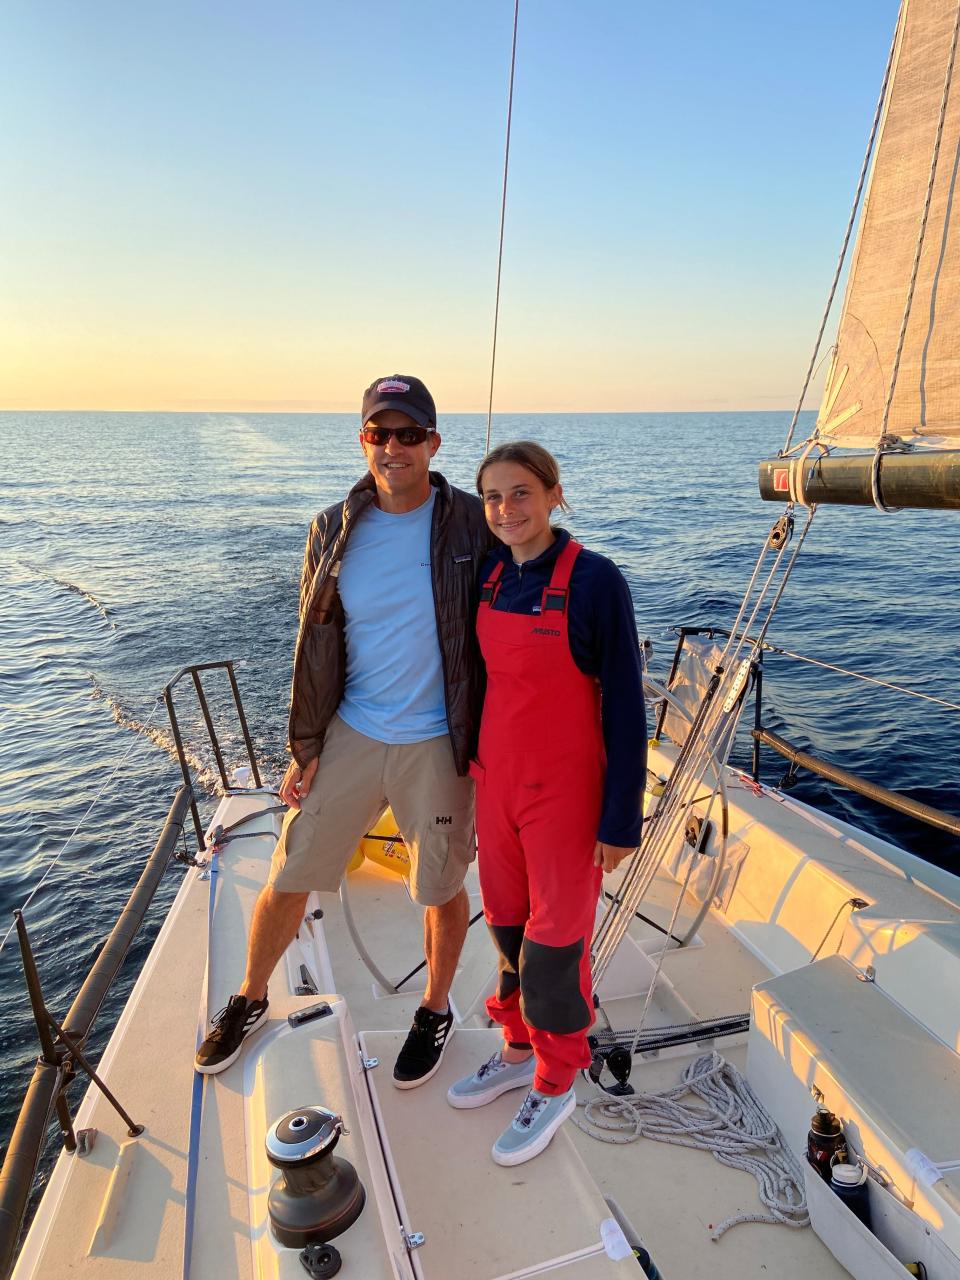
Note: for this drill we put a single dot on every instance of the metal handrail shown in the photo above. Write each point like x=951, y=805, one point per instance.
x=853, y=782
x=895, y=800
x=194, y=672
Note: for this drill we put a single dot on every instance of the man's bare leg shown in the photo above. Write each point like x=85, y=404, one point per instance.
x=444, y=931
x=276, y=919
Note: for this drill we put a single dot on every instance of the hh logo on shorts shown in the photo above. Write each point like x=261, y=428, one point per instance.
x=444, y=822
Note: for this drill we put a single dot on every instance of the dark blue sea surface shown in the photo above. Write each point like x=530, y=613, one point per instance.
x=134, y=544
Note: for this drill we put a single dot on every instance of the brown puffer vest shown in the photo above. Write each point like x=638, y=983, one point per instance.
x=459, y=541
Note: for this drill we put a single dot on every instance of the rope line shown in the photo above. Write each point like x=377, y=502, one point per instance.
x=503, y=216
x=796, y=475
x=123, y=759
x=731, y=1123
x=846, y=241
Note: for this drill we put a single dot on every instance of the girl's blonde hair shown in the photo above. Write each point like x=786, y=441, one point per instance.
x=527, y=453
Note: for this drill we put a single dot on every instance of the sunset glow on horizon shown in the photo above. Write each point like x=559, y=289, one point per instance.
x=224, y=207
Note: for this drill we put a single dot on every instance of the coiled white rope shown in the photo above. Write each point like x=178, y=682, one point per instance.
x=731, y=1124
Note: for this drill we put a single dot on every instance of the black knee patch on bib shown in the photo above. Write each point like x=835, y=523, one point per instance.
x=551, y=999
x=507, y=938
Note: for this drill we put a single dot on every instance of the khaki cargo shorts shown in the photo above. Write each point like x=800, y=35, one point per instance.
x=356, y=779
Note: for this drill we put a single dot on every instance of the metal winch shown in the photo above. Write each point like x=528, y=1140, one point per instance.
x=318, y=1195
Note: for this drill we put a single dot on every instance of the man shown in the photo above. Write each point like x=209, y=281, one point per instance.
x=385, y=704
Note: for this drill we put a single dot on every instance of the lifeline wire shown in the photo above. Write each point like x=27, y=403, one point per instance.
x=732, y=1125
x=503, y=215
x=859, y=675
x=36, y=889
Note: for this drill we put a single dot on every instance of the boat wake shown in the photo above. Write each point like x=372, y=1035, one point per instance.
x=76, y=590
x=203, y=770
x=248, y=440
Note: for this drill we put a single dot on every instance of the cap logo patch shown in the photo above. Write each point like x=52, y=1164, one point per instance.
x=389, y=385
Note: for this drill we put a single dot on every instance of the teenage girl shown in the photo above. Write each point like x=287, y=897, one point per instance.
x=559, y=773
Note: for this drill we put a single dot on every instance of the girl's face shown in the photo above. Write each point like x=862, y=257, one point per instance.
x=517, y=506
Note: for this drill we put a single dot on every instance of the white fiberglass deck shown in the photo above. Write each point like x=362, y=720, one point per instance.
x=120, y=1212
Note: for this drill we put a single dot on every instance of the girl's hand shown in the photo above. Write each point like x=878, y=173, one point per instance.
x=609, y=856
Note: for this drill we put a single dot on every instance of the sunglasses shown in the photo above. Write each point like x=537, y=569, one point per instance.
x=405, y=435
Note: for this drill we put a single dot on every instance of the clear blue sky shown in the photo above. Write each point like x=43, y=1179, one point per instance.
x=232, y=205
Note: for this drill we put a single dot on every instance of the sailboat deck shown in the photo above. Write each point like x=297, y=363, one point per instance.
x=670, y=1195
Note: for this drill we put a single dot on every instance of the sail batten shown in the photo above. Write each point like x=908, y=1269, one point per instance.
x=924, y=92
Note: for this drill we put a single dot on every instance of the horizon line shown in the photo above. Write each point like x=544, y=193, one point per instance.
x=267, y=406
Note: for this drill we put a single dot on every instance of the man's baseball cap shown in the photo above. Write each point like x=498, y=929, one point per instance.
x=399, y=391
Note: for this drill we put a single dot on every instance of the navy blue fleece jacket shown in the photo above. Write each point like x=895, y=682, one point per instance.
x=603, y=644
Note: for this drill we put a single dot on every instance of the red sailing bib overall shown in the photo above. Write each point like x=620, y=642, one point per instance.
x=539, y=776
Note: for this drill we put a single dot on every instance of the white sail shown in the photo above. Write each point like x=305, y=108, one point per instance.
x=926, y=400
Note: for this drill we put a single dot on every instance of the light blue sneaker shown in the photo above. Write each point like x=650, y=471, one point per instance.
x=490, y=1080
x=533, y=1126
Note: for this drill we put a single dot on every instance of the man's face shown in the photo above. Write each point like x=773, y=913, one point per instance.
x=399, y=470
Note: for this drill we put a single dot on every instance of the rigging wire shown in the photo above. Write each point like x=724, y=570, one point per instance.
x=503, y=215
x=123, y=759
x=709, y=737
x=859, y=675
x=844, y=671
x=846, y=240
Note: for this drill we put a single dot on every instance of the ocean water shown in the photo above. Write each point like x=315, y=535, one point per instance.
x=134, y=544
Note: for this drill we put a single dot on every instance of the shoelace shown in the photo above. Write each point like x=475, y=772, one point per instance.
x=528, y=1111
x=424, y=1030
x=232, y=1012
x=491, y=1064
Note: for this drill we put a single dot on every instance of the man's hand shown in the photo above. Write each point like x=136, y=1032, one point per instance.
x=608, y=856
x=297, y=782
